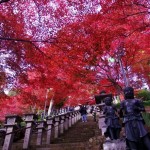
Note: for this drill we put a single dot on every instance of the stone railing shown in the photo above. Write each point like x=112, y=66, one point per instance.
x=57, y=124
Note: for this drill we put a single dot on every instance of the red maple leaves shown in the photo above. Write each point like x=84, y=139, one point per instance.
x=73, y=48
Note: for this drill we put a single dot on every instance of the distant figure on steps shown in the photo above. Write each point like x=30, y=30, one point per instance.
x=83, y=112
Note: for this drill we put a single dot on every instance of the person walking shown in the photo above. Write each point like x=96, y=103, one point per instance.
x=83, y=112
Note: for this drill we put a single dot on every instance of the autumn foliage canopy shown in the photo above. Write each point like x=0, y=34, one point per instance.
x=75, y=48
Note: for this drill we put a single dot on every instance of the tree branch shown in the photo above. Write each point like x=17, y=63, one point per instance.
x=25, y=40
x=3, y=1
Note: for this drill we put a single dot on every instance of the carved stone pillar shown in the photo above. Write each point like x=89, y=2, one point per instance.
x=29, y=119
x=70, y=119
x=49, y=128
x=10, y=126
x=73, y=118
x=62, y=120
x=79, y=115
x=66, y=121
x=76, y=116
x=40, y=127
x=56, y=126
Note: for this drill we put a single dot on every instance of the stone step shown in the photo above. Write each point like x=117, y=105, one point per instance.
x=62, y=139
x=64, y=146
x=84, y=134
x=70, y=140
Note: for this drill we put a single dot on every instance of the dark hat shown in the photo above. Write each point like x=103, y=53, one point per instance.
x=128, y=92
x=108, y=100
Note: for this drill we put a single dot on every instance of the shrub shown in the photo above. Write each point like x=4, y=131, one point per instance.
x=146, y=117
x=146, y=103
x=117, y=105
x=143, y=94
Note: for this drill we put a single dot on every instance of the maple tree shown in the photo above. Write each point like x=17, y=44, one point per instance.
x=73, y=47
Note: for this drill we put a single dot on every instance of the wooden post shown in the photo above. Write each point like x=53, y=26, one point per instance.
x=40, y=127
x=10, y=125
x=29, y=119
x=49, y=123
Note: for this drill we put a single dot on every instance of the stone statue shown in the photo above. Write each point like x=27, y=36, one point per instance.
x=133, y=121
x=111, y=120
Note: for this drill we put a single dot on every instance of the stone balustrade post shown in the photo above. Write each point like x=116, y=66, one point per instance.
x=66, y=121
x=79, y=115
x=40, y=127
x=66, y=110
x=76, y=114
x=49, y=129
x=70, y=119
x=29, y=119
x=73, y=118
x=101, y=124
x=57, y=111
x=56, y=126
x=10, y=126
x=62, y=122
x=61, y=110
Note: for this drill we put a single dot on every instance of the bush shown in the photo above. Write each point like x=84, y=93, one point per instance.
x=144, y=95
x=117, y=105
x=146, y=117
x=146, y=103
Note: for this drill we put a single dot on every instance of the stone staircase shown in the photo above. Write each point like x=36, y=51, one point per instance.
x=81, y=136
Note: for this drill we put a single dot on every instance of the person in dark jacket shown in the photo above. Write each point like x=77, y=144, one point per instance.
x=111, y=120
x=136, y=134
x=83, y=112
